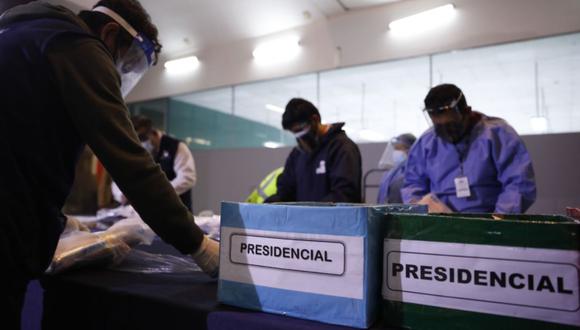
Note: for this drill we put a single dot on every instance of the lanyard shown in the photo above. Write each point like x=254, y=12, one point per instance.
x=462, y=156
x=462, y=182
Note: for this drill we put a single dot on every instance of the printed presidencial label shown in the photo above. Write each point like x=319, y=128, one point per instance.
x=532, y=283
x=313, y=263
x=290, y=254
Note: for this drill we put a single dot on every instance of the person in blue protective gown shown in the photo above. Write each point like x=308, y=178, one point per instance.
x=393, y=180
x=468, y=161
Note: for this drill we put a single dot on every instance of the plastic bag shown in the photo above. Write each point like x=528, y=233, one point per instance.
x=132, y=231
x=209, y=225
x=81, y=248
x=148, y=263
x=73, y=225
x=84, y=248
x=125, y=211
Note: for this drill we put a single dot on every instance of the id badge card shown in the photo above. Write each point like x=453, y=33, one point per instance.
x=462, y=187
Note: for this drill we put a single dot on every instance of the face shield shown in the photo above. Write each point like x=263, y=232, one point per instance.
x=393, y=155
x=451, y=110
x=134, y=63
x=386, y=161
x=448, y=121
x=138, y=58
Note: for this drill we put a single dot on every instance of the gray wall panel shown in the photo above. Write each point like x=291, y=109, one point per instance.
x=231, y=174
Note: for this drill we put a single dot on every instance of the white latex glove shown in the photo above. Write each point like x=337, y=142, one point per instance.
x=207, y=257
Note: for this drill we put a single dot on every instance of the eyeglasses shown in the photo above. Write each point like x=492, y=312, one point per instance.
x=440, y=110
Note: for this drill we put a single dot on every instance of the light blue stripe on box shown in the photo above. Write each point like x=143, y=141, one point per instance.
x=345, y=220
x=324, y=308
x=328, y=220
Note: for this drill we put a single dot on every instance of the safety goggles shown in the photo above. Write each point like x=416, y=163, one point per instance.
x=137, y=59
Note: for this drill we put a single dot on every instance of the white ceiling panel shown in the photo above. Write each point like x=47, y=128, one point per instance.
x=186, y=26
x=189, y=25
x=358, y=4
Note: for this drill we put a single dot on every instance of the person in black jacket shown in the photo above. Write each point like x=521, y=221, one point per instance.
x=325, y=166
x=171, y=154
x=63, y=79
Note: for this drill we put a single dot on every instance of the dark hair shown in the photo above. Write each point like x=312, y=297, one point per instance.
x=142, y=123
x=443, y=95
x=132, y=12
x=298, y=111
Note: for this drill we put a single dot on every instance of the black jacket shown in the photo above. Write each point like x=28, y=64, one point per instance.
x=60, y=90
x=331, y=173
x=166, y=159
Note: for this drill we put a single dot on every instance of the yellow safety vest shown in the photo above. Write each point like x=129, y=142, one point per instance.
x=267, y=187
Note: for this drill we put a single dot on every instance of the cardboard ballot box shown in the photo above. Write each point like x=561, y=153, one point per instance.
x=471, y=271
x=317, y=261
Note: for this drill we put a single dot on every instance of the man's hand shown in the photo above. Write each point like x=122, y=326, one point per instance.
x=434, y=204
x=207, y=257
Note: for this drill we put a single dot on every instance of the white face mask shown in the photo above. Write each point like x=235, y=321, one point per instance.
x=399, y=157
x=148, y=146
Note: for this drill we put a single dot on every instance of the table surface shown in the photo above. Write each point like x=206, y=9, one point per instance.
x=96, y=298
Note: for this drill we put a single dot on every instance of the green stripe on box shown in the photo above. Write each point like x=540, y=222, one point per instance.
x=548, y=232
x=414, y=316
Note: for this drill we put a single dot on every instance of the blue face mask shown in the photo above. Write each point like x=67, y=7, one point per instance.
x=399, y=157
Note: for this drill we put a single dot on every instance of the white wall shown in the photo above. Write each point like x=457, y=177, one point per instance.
x=359, y=37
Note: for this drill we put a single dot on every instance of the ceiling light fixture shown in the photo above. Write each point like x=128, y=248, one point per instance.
x=278, y=50
x=182, y=65
x=423, y=21
x=201, y=141
x=272, y=144
x=274, y=108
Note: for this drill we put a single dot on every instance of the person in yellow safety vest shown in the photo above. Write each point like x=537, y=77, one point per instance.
x=267, y=187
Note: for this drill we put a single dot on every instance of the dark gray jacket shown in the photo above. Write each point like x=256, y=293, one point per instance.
x=59, y=90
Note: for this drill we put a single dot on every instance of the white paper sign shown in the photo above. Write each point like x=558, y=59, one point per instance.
x=291, y=254
x=541, y=284
x=313, y=263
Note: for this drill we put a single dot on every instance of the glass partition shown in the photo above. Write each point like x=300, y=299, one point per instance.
x=376, y=101
x=265, y=101
x=532, y=84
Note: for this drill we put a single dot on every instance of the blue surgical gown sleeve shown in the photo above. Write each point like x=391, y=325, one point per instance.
x=383, y=188
x=417, y=183
x=391, y=184
x=514, y=171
